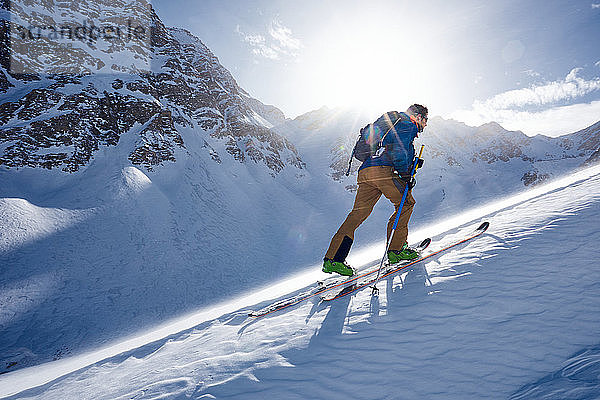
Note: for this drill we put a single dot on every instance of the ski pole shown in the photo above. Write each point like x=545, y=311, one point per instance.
x=387, y=244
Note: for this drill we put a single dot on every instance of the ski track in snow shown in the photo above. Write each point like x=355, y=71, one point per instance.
x=492, y=318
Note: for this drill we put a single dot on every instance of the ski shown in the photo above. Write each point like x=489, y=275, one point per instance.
x=363, y=281
x=322, y=287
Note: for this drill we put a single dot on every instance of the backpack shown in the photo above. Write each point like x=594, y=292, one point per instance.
x=370, y=138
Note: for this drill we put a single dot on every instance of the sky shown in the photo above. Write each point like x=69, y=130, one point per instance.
x=528, y=65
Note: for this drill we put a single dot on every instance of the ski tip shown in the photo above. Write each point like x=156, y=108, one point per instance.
x=483, y=227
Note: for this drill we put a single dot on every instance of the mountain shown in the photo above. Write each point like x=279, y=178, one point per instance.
x=139, y=182
x=59, y=110
x=463, y=164
x=455, y=142
x=586, y=140
x=594, y=158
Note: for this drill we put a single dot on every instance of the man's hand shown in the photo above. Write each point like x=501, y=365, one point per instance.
x=407, y=179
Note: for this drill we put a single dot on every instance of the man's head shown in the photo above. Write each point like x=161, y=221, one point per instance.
x=418, y=114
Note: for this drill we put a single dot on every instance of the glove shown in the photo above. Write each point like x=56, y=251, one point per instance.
x=420, y=162
x=408, y=180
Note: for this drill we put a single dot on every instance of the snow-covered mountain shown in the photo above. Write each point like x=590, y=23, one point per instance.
x=457, y=144
x=137, y=179
x=139, y=182
x=62, y=102
x=463, y=164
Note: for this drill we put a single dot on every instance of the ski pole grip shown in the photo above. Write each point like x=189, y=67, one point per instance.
x=420, y=155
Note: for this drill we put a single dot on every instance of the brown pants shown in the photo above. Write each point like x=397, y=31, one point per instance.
x=372, y=183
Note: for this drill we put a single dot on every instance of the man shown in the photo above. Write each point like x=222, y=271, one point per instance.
x=387, y=172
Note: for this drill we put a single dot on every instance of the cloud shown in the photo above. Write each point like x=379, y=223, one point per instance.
x=514, y=108
x=258, y=44
x=595, y=5
x=278, y=42
x=283, y=36
x=569, y=88
x=532, y=73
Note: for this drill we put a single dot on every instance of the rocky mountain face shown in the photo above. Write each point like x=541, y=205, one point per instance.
x=79, y=76
x=594, y=158
x=586, y=141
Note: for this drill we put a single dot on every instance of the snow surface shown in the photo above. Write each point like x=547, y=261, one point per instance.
x=512, y=314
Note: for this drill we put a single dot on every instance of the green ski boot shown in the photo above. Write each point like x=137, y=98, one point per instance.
x=341, y=268
x=395, y=256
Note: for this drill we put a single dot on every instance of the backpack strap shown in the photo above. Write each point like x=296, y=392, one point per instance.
x=350, y=161
x=388, y=131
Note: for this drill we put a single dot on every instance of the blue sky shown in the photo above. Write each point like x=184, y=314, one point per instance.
x=529, y=65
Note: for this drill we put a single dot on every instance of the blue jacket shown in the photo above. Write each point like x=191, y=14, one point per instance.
x=398, y=148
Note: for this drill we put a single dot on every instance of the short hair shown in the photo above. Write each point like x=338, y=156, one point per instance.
x=417, y=109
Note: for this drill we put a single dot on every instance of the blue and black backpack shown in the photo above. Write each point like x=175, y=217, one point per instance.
x=370, y=138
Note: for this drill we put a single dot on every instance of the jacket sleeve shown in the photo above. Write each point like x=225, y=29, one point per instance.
x=399, y=146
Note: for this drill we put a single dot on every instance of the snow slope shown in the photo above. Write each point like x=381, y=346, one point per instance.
x=89, y=257
x=514, y=313
x=94, y=256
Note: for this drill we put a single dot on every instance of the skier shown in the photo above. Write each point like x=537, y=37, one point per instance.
x=385, y=172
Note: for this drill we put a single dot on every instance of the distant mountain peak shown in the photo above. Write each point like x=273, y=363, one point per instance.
x=455, y=144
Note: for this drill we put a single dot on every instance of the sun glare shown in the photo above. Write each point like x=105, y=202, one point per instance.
x=369, y=67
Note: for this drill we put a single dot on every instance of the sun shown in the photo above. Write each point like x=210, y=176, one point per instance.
x=367, y=67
